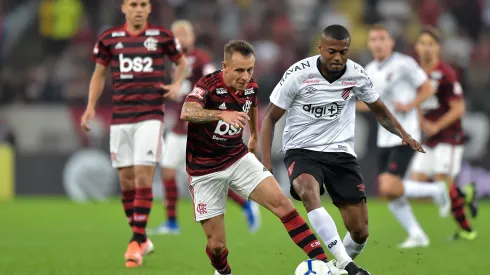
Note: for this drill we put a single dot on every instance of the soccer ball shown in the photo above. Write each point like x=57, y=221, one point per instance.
x=312, y=267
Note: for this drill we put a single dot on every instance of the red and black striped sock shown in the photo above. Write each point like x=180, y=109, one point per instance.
x=302, y=235
x=142, y=205
x=237, y=198
x=171, y=197
x=457, y=207
x=127, y=202
x=219, y=260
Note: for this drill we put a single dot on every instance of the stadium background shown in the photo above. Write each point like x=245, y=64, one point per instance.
x=45, y=70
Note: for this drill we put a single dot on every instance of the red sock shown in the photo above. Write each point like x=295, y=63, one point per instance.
x=457, y=207
x=127, y=202
x=219, y=261
x=142, y=205
x=171, y=196
x=237, y=198
x=301, y=234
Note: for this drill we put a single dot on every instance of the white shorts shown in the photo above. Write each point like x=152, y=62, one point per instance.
x=210, y=192
x=174, y=151
x=136, y=143
x=444, y=158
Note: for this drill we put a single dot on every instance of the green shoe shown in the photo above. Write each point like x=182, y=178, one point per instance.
x=470, y=198
x=465, y=235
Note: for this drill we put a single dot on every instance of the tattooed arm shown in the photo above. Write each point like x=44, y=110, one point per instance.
x=390, y=123
x=195, y=113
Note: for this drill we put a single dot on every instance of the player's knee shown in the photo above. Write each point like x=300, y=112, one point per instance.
x=360, y=235
x=358, y=229
x=144, y=181
x=308, y=190
x=126, y=180
x=390, y=186
x=216, y=244
x=168, y=173
x=144, y=176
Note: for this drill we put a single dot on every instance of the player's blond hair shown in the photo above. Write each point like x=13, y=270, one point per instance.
x=182, y=23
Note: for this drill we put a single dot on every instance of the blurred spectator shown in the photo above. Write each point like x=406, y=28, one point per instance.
x=282, y=31
x=6, y=134
x=58, y=23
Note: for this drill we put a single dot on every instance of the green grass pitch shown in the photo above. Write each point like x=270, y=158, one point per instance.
x=56, y=236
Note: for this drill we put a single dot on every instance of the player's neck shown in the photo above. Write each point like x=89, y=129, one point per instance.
x=382, y=59
x=430, y=65
x=135, y=29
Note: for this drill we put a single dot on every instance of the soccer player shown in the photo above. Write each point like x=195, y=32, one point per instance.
x=319, y=95
x=402, y=86
x=175, y=142
x=217, y=109
x=441, y=125
x=134, y=54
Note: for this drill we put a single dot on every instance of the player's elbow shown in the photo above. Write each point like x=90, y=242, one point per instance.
x=184, y=115
x=459, y=108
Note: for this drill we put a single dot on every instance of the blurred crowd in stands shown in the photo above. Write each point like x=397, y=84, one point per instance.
x=45, y=45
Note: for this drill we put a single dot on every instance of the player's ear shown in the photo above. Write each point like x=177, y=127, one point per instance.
x=123, y=7
x=223, y=65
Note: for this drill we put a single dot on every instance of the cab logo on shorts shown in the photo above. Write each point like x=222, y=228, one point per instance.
x=201, y=208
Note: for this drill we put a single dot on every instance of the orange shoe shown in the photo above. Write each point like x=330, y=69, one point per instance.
x=133, y=255
x=147, y=247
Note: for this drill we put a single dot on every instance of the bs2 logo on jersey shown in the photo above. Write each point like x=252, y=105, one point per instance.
x=225, y=129
x=137, y=65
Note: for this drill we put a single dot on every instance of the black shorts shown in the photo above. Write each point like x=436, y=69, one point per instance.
x=395, y=160
x=338, y=172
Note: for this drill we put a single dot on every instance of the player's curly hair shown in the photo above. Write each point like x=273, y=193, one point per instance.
x=240, y=46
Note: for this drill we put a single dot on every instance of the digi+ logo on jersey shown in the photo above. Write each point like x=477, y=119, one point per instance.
x=331, y=110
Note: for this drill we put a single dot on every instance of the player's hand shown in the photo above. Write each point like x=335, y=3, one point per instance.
x=267, y=165
x=87, y=117
x=402, y=108
x=408, y=140
x=235, y=119
x=253, y=145
x=172, y=90
x=429, y=128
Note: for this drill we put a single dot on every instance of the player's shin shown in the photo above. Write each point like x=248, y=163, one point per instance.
x=171, y=197
x=142, y=206
x=302, y=235
x=457, y=207
x=325, y=227
x=219, y=259
x=269, y=194
x=352, y=247
x=128, y=204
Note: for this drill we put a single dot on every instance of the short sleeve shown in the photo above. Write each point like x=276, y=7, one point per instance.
x=172, y=47
x=366, y=91
x=199, y=94
x=284, y=93
x=414, y=73
x=454, y=90
x=101, y=53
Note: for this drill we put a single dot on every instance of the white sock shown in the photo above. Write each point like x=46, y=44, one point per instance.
x=418, y=189
x=353, y=248
x=325, y=227
x=402, y=211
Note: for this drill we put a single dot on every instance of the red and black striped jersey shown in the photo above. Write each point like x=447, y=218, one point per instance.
x=137, y=67
x=444, y=80
x=215, y=146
